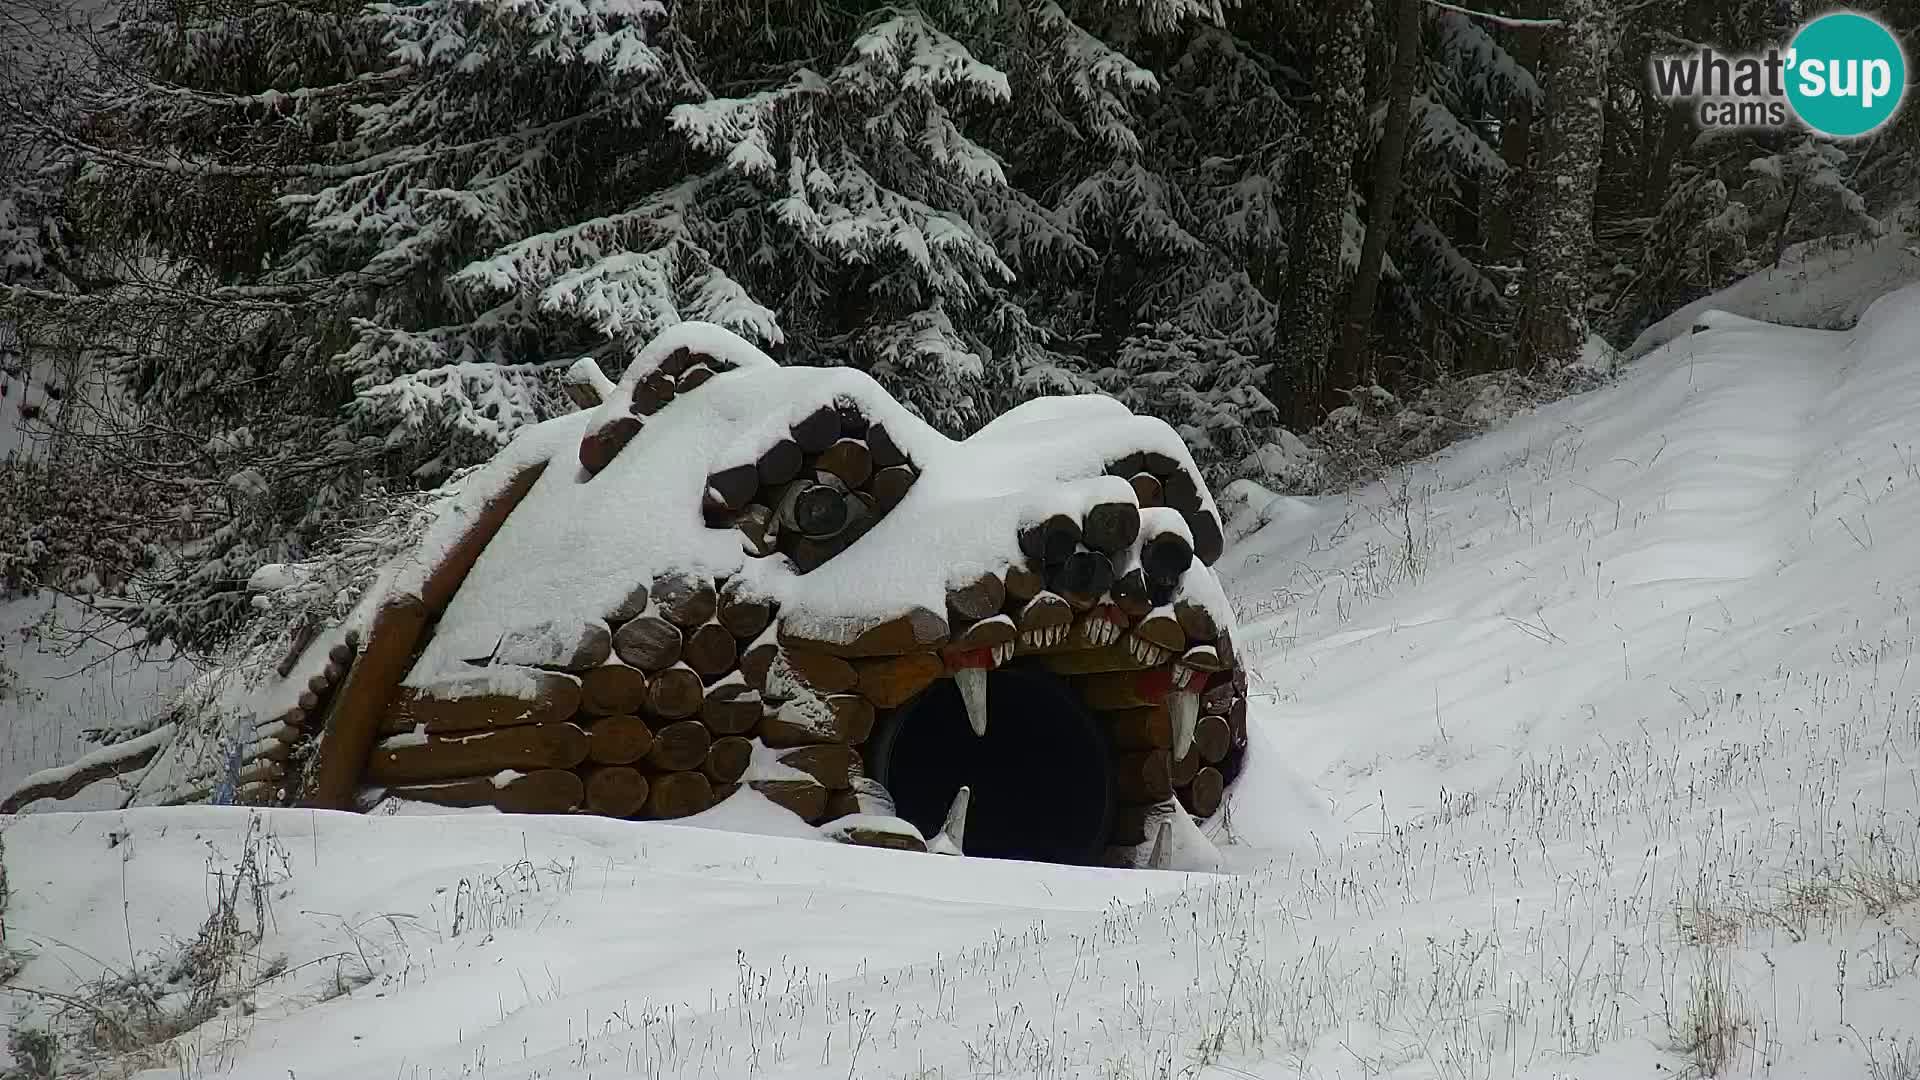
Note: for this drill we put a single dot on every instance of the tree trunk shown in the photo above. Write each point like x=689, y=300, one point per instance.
x=1314, y=266
x=1355, y=366
x=1553, y=324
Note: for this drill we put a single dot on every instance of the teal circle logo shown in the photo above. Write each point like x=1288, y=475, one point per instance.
x=1845, y=74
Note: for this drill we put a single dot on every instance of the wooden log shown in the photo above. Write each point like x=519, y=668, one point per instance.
x=1082, y=579
x=1123, y=689
x=679, y=360
x=808, y=554
x=853, y=422
x=1024, y=582
x=1218, y=695
x=679, y=746
x=863, y=513
x=1184, y=769
x=1149, y=728
x=1159, y=464
x=890, y=839
x=542, y=791
x=675, y=693
x=1093, y=661
x=1180, y=489
x=686, y=600
x=618, y=740
x=1143, y=776
x=1209, y=541
x=744, y=614
x=603, y=442
x=106, y=763
x=710, y=649
x=412, y=759
x=865, y=796
x=890, y=485
x=807, y=799
x=757, y=660
x=919, y=630
x=759, y=533
x=723, y=792
x=848, y=459
x=309, y=701
x=1165, y=556
x=1051, y=540
x=1213, y=737
x=727, y=759
x=565, y=644
x=615, y=790
x=636, y=602
x=985, y=634
x=489, y=699
x=1044, y=621
x=819, y=430
x=731, y=708
x=780, y=464
x=893, y=681
x=582, y=384
x=612, y=689
x=677, y=795
x=833, y=765
x=818, y=671
x=981, y=598
x=653, y=391
x=886, y=453
x=732, y=489
x=845, y=719
x=1146, y=489
x=692, y=379
x=353, y=721
x=1196, y=620
x=1205, y=791
x=1130, y=594
x=649, y=643
x=341, y=654
x=812, y=510
x=1203, y=658
x=1161, y=628
x=1111, y=527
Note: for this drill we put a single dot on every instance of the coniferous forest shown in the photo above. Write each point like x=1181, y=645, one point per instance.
x=314, y=255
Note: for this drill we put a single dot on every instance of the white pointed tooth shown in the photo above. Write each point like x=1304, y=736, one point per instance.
x=1162, y=855
x=973, y=692
x=1184, y=707
x=1059, y=634
x=1002, y=653
x=952, y=837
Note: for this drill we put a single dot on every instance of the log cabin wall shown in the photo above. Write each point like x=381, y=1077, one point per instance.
x=695, y=687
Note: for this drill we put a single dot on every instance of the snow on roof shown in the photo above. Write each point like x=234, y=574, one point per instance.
x=579, y=542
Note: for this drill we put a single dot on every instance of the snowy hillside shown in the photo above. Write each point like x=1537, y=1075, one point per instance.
x=1612, y=751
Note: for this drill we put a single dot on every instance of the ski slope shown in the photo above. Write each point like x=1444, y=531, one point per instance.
x=1588, y=748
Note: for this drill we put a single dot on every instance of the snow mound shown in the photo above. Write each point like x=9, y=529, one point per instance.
x=579, y=541
x=1826, y=284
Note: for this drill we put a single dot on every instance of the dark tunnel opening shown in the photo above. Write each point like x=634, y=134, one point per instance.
x=1041, y=782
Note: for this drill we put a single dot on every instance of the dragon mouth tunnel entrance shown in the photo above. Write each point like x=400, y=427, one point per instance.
x=1042, y=786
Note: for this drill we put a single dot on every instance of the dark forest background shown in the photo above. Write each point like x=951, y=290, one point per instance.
x=311, y=254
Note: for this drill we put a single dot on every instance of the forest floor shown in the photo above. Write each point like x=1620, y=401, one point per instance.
x=1587, y=748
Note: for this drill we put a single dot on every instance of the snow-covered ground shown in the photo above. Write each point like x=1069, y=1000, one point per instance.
x=53, y=686
x=1612, y=751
